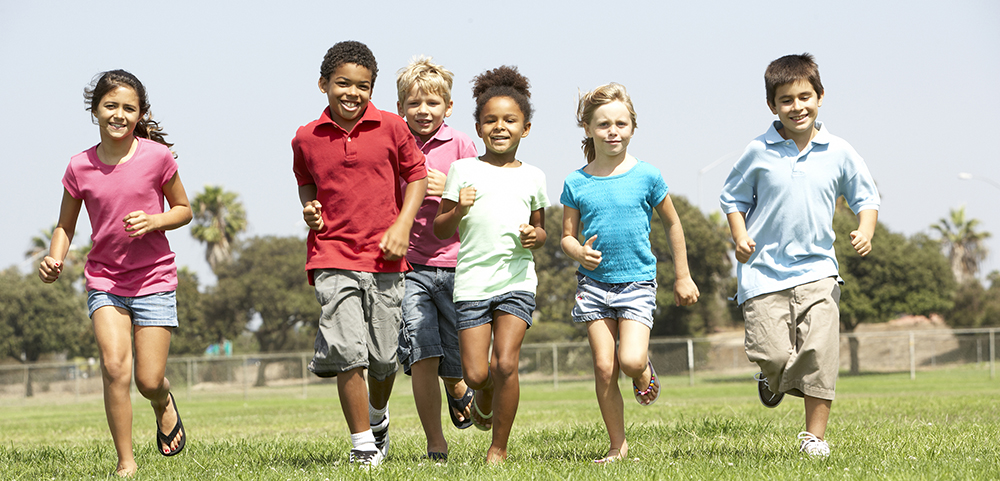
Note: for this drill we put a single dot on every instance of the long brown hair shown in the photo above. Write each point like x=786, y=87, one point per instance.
x=105, y=82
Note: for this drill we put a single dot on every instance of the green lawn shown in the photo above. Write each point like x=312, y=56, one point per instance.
x=943, y=425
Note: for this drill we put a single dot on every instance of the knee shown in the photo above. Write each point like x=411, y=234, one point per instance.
x=117, y=369
x=476, y=378
x=506, y=367
x=632, y=365
x=148, y=386
x=604, y=371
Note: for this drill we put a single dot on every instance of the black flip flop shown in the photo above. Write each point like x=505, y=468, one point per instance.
x=164, y=439
x=460, y=405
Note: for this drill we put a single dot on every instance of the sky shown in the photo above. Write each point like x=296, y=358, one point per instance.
x=911, y=85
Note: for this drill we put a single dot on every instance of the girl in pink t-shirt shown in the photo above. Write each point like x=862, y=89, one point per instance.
x=130, y=271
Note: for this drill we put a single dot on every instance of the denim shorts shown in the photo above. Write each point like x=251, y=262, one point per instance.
x=430, y=320
x=476, y=313
x=627, y=300
x=159, y=309
x=359, y=323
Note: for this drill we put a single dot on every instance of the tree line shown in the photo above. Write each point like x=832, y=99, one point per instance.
x=263, y=300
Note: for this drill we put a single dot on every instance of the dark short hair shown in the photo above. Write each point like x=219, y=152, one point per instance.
x=503, y=81
x=790, y=69
x=348, y=51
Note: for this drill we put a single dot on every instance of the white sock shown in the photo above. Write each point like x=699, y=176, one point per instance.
x=376, y=416
x=364, y=441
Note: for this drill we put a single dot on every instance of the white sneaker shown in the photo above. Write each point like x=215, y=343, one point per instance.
x=381, y=432
x=366, y=459
x=812, y=445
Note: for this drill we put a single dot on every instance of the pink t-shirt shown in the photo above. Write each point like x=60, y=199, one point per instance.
x=446, y=146
x=119, y=264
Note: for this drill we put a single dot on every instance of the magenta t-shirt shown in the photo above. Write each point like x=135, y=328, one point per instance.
x=117, y=263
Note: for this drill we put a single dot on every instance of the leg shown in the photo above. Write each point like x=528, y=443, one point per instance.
x=602, y=334
x=475, y=347
x=113, y=329
x=817, y=415
x=354, y=399
x=508, y=332
x=151, y=346
x=427, y=397
x=633, y=354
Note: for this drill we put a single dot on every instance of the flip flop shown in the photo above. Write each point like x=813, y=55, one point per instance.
x=487, y=420
x=653, y=381
x=460, y=405
x=164, y=439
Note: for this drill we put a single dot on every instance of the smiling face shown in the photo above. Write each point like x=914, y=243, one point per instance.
x=424, y=112
x=348, y=88
x=797, y=105
x=611, y=128
x=501, y=126
x=117, y=114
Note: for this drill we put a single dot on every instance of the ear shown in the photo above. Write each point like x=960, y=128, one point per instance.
x=399, y=108
x=322, y=84
x=774, y=109
x=479, y=130
x=447, y=113
x=819, y=100
x=527, y=128
x=586, y=130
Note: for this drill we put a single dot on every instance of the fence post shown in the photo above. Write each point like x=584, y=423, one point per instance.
x=190, y=370
x=305, y=379
x=246, y=379
x=76, y=384
x=913, y=357
x=690, y=344
x=993, y=353
x=555, y=366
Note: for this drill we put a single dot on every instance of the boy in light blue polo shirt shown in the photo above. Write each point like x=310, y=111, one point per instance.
x=779, y=201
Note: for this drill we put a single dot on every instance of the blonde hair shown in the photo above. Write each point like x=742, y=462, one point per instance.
x=590, y=101
x=428, y=76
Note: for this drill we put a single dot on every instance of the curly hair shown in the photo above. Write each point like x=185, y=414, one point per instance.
x=790, y=69
x=428, y=76
x=348, y=51
x=105, y=82
x=503, y=81
x=590, y=101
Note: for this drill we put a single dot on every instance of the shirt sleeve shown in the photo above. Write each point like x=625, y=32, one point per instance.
x=452, y=184
x=567, y=199
x=412, y=164
x=658, y=187
x=541, y=199
x=299, y=166
x=737, y=194
x=859, y=189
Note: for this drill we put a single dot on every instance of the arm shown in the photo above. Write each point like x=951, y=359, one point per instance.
x=450, y=213
x=139, y=222
x=312, y=210
x=62, y=236
x=861, y=239
x=738, y=228
x=533, y=233
x=585, y=254
x=685, y=290
x=435, y=182
x=396, y=239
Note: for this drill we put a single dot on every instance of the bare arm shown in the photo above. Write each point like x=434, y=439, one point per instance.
x=179, y=214
x=738, y=228
x=685, y=290
x=861, y=239
x=450, y=213
x=585, y=254
x=312, y=210
x=396, y=239
x=62, y=237
x=533, y=233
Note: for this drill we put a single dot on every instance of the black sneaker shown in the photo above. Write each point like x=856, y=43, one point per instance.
x=767, y=398
x=381, y=432
x=366, y=458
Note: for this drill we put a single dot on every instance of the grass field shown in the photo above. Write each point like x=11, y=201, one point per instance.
x=943, y=425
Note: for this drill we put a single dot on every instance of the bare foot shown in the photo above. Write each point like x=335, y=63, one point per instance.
x=456, y=391
x=496, y=456
x=482, y=416
x=166, y=420
x=614, y=454
x=126, y=470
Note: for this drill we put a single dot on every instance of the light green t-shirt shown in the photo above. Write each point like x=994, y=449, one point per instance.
x=491, y=260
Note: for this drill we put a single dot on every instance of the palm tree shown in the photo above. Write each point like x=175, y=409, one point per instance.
x=966, y=246
x=218, y=218
x=75, y=259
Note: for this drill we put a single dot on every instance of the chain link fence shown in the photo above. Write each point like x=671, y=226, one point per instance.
x=286, y=373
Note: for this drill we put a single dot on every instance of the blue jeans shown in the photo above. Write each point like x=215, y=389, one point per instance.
x=159, y=309
x=627, y=300
x=430, y=321
x=476, y=313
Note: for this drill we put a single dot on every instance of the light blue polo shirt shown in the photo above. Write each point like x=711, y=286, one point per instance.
x=789, y=198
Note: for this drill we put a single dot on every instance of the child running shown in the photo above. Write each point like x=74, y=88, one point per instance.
x=428, y=341
x=130, y=271
x=497, y=204
x=611, y=200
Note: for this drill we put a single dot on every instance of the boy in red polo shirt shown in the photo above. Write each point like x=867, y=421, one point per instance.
x=348, y=165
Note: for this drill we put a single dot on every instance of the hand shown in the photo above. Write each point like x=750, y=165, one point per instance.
x=49, y=270
x=744, y=249
x=435, y=182
x=685, y=291
x=590, y=258
x=395, y=242
x=139, y=223
x=466, y=198
x=528, y=236
x=312, y=212
x=861, y=243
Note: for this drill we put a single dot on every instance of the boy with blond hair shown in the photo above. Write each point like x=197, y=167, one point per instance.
x=779, y=200
x=349, y=165
x=428, y=341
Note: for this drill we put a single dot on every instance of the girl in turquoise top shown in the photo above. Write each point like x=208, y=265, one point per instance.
x=611, y=201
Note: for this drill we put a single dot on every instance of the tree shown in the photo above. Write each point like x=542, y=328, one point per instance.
x=38, y=319
x=219, y=218
x=194, y=333
x=976, y=306
x=900, y=276
x=76, y=257
x=266, y=283
x=966, y=247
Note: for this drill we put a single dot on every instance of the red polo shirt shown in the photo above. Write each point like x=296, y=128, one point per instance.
x=357, y=176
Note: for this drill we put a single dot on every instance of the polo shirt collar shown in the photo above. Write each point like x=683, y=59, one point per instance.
x=773, y=137
x=371, y=114
x=444, y=134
